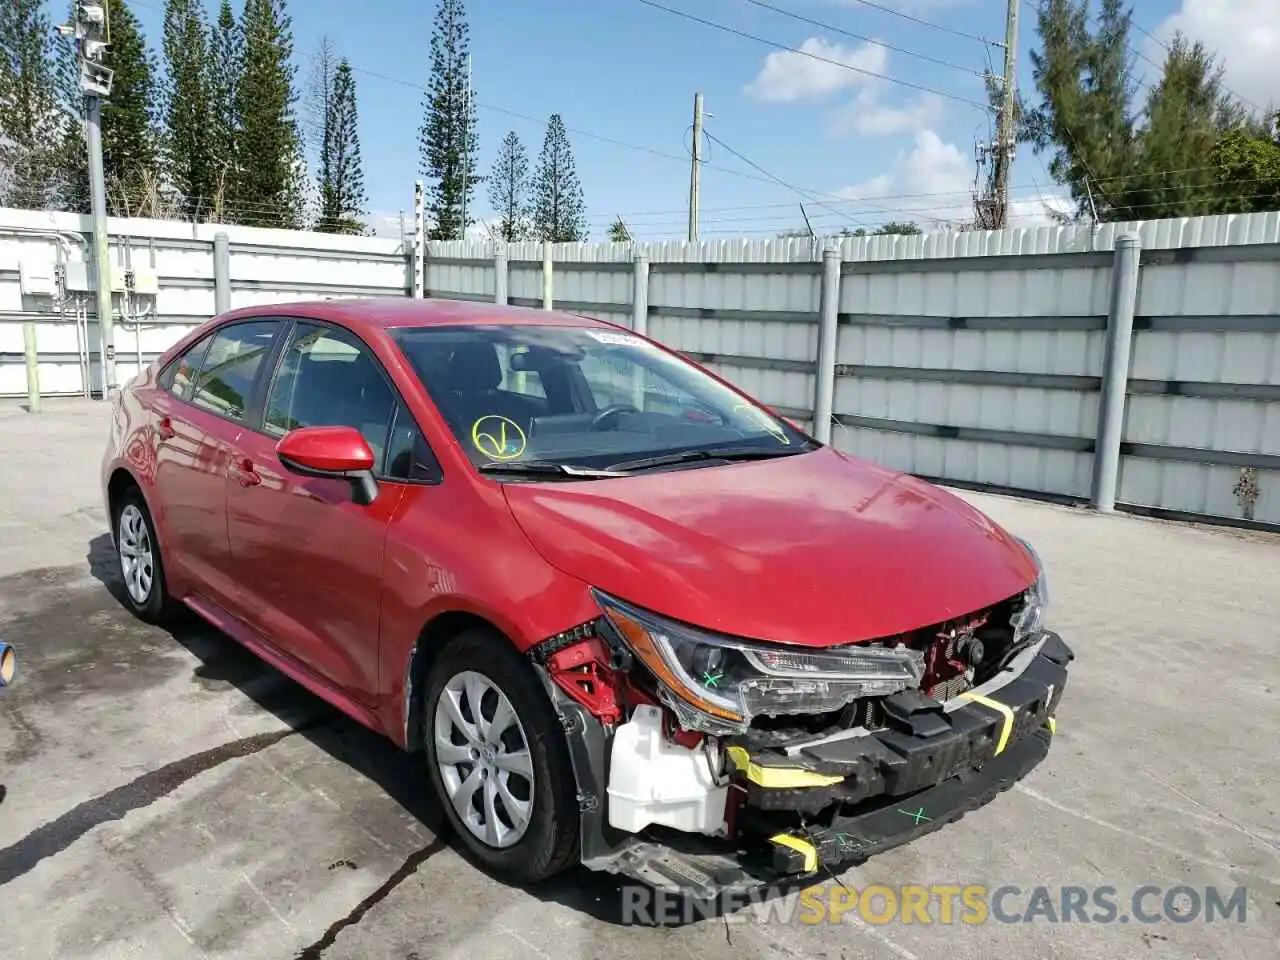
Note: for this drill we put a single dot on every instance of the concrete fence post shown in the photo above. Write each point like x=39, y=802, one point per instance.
x=548, y=283
x=32, y=356
x=828, y=318
x=500, y=273
x=418, y=254
x=1115, y=373
x=221, y=273
x=640, y=294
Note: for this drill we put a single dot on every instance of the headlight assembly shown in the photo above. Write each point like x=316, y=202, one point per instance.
x=728, y=681
x=1028, y=618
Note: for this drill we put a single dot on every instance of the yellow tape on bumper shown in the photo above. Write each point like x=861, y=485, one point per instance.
x=777, y=778
x=1000, y=708
x=1053, y=727
x=806, y=848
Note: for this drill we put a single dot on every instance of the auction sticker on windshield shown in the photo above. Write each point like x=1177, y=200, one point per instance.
x=617, y=339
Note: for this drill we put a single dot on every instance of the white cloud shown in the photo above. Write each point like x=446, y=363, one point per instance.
x=935, y=167
x=868, y=117
x=870, y=190
x=787, y=76
x=387, y=224
x=931, y=183
x=1245, y=37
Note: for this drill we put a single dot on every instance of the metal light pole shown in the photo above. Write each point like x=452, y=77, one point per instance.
x=92, y=34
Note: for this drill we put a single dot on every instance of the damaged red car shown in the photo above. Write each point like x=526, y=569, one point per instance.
x=626, y=615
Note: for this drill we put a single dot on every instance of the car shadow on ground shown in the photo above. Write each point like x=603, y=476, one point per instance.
x=222, y=661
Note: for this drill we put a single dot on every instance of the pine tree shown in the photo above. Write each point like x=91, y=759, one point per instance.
x=226, y=61
x=189, y=141
x=265, y=179
x=33, y=126
x=128, y=114
x=509, y=188
x=618, y=232
x=342, y=196
x=447, y=138
x=1123, y=159
x=1186, y=112
x=559, y=212
x=324, y=64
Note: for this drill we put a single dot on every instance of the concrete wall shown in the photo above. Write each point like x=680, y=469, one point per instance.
x=172, y=260
x=975, y=358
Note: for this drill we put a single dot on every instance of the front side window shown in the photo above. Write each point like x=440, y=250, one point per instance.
x=602, y=398
x=180, y=376
x=327, y=379
x=230, y=367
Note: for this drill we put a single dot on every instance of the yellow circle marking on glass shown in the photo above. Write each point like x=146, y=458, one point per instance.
x=498, y=438
x=765, y=421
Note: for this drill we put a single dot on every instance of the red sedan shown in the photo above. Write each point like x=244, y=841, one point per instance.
x=625, y=614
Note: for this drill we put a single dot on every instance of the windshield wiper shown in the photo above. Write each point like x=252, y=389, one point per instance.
x=712, y=453
x=546, y=468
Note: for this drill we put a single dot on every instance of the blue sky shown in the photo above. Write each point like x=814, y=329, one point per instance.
x=621, y=70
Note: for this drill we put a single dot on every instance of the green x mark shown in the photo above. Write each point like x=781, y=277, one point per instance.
x=711, y=679
x=917, y=816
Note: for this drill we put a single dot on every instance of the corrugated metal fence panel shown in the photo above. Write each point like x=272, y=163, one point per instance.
x=267, y=266
x=1206, y=323
x=935, y=347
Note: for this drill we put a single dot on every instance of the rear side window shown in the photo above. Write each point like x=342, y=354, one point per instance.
x=179, y=377
x=230, y=367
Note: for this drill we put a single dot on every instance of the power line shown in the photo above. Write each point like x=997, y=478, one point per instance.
x=712, y=137
x=920, y=21
x=857, y=36
x=812, y=56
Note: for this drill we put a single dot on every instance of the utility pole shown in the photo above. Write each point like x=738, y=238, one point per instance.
x=695, y=184
x=1007, y=135
x=92, y=34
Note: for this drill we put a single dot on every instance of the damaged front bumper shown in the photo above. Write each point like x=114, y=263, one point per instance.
x=811, y=806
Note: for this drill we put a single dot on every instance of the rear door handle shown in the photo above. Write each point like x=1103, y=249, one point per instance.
x=244, y=473
x=164, y=429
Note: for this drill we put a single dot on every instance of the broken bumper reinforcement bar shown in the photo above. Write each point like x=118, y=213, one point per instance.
x=827, y=802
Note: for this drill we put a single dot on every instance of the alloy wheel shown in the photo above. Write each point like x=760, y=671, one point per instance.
x=137, y=561
x=483, y=756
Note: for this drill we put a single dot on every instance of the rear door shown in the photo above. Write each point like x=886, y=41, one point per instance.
x=198, y=413
x=307, y=560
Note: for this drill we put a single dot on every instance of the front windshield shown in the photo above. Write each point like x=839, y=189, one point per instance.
x=586, y=397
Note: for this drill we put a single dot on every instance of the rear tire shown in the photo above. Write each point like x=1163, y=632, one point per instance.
x=138, y=557
x=506, y=782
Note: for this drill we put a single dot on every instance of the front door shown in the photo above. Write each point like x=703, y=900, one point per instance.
x=308, y=560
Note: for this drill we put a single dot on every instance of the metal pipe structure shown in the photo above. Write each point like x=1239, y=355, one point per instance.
x=1115, y=376
x=828, y=318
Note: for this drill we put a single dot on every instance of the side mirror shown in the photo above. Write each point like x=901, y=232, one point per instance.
x=8, y=664
x=338, y=453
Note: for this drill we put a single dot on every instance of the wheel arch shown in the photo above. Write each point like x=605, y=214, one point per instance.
x=120, y=481
x=435, y=634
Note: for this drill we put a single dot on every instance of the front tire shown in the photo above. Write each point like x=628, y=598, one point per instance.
x=497, y=756
x=138, y=555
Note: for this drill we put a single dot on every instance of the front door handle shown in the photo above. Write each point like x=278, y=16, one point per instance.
x=244, y=473
x=164, y=429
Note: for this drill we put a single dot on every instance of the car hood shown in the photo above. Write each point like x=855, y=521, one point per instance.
x=815, y=549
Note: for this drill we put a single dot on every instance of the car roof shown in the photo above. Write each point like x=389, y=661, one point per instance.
x=399, y=312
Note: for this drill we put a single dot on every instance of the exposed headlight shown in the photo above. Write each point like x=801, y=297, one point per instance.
x=729, y=681
x=1028, y=618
